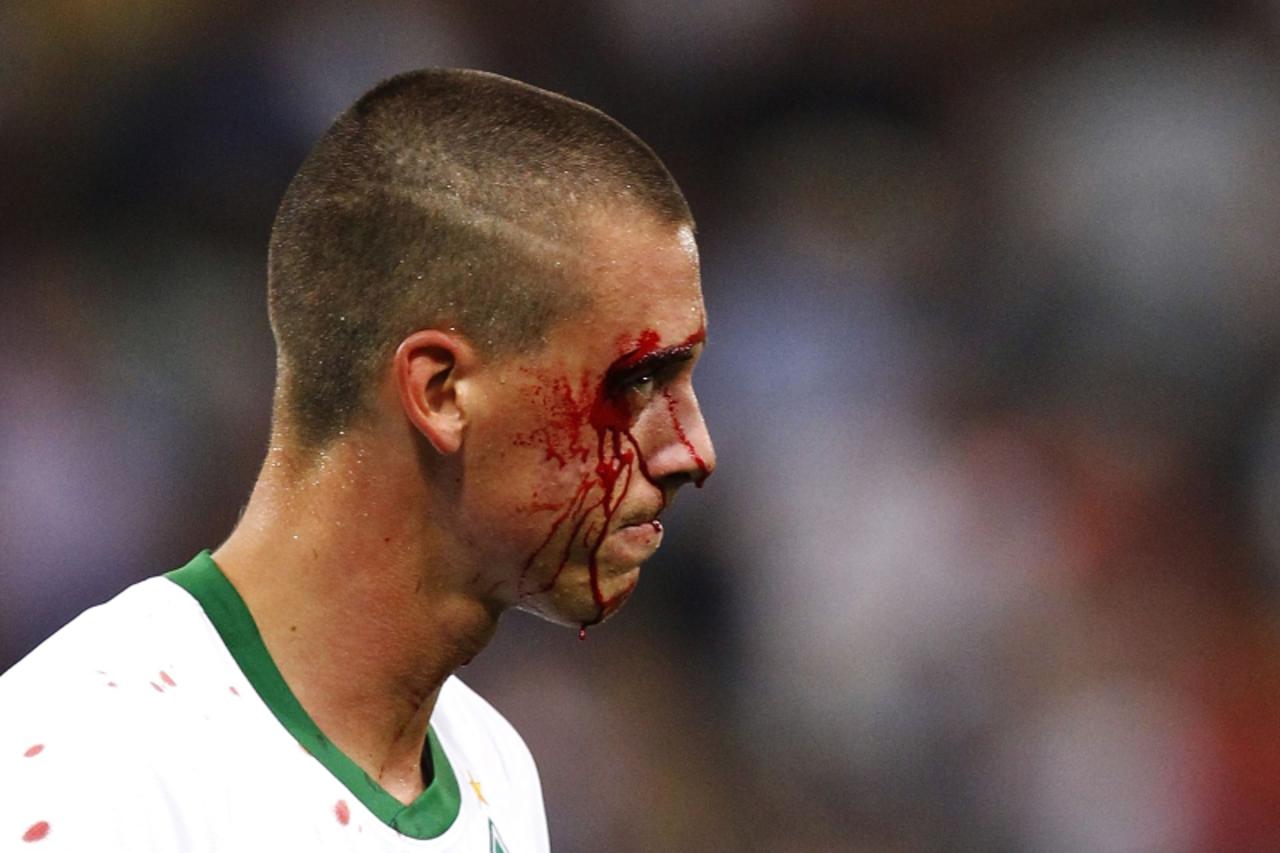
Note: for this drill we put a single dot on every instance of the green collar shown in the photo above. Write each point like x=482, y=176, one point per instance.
x=428, y=816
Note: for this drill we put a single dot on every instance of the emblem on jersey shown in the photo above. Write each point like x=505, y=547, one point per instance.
x=475, y=786
x=495, y=840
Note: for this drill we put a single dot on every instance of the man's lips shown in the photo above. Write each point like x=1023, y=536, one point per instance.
x=650, y=521
x=644, y=536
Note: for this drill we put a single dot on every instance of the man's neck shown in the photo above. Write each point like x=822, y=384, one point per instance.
x=363, y=626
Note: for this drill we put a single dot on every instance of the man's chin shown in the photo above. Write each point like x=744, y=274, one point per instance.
x=583, y=602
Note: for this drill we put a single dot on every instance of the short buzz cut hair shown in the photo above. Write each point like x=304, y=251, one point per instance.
x=441, y=199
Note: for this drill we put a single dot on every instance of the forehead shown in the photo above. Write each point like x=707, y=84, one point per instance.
x=638, y=270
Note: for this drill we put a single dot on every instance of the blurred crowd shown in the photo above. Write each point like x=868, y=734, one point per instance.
x=992, y=557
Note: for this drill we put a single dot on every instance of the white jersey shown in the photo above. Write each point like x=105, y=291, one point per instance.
x=158, y=722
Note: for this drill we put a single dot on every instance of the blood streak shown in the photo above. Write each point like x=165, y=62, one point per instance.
x=37, y=831
x=33, y=751
x=604, y=406
x=703, y=473
x=164, y=676
x=342, y=812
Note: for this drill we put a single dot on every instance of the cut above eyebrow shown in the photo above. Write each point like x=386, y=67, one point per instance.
x=632, y=364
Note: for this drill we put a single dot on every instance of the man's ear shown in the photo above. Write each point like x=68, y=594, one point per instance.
x=429, y=365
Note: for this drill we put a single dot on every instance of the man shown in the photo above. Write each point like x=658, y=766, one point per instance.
x=487, y=309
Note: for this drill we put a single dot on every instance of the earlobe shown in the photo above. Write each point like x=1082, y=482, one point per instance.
x=429, y=366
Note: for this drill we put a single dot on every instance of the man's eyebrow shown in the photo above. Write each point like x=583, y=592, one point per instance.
x=634, y=362
x=648, y=361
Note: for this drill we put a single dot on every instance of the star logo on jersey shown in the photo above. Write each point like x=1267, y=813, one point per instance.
x=475, y=786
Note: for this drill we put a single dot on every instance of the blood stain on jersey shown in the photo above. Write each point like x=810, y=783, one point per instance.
x=157, y=687
x=342, y=812
x=37, y=831
x=164, y=676
x=233, y=690
x=34, y=750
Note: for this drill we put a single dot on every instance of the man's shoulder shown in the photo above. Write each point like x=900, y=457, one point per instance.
x=491, y=760
x=134, y=674
x=89, y=717
x=120, y=647
x=464, y=715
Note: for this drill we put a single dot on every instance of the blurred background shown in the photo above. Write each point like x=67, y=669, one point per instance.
x=992, y=560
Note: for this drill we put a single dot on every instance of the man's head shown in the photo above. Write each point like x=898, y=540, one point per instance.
x=448, y=199
x=509, y=278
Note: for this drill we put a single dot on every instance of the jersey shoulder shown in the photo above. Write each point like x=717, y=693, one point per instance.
x=86, y=714
x=122, y=647
x=493, y=763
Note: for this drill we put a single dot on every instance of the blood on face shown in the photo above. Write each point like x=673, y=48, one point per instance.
x=587, y=424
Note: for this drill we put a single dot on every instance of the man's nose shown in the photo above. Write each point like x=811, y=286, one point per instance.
x=682, y=450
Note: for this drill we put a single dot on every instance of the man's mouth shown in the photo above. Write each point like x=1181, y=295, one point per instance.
x=644, y=534
x=646, y=519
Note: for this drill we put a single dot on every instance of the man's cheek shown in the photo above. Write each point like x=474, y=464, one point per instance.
x=558, y=426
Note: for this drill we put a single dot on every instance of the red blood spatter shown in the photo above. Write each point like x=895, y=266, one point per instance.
x=112, y=684
x=157, y=687
x=233, y=690
x=34, y=750
x=607, y=410
x=342, y=812
x=164, y=676
x=561, y=434
x=37, y=831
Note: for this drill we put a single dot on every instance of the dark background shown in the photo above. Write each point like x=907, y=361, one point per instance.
x=991, y=560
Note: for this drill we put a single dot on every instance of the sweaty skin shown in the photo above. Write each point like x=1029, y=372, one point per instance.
x=379, y=567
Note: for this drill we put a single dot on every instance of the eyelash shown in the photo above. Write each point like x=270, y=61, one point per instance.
x=642, y=381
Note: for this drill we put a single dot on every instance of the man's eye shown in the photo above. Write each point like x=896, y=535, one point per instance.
x=641, y=385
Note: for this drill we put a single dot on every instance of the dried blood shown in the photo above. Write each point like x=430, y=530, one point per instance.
x=37, y=831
